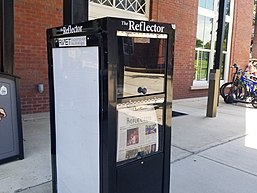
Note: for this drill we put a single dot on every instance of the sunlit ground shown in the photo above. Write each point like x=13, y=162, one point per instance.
x=251, y=128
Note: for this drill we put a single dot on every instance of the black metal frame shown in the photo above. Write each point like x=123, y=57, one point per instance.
x=7, y=36
x=220, y=34
x=19, y=121
x=104, y=31
x=75, y=11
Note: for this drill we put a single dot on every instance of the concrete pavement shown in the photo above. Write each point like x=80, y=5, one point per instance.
x=214, y=155
x=35, y=169
x=209, y=155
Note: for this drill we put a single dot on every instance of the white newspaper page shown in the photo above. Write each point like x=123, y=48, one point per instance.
x=137, y=132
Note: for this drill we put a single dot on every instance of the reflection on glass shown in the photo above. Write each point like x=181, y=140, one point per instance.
x=207, y=33
x=141, y=66
x=222, y=67
x=200, y=32
x=140, y=94
x=208, y=4
x=201, y=65
x=139, y=130
x=204, y=32
x=201, y=3
x=228, y=7
x=225, y=42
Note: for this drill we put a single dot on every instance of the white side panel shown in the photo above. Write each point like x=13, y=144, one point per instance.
x=76, y=87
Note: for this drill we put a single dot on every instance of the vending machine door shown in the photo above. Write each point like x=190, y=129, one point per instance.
x=141, y=110
x=74, y=76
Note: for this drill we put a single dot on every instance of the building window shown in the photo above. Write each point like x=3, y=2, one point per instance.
x=204, y=32
x=134, y=9
x=228, y=7
x=103, y=2
x=206, y=40
x=201, y=64
x=203, y=47
x=136, y=6
x=208, y=4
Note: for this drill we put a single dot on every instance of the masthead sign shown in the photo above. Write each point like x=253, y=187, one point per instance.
x=70, y=30
x=142, y=26
x=72, y=41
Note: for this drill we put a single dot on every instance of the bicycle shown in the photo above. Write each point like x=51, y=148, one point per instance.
x=250, y=85
x=241, y=89
x=234, y=87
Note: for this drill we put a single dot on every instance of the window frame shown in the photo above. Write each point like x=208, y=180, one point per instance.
x=197, y=84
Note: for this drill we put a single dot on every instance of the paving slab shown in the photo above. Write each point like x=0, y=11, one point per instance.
x=224, y=148
x=195, y=132
x=209, y=155
x=178, y=153
x=35, y=168
x=234, y=154
x=196, y=174
x=42, y=188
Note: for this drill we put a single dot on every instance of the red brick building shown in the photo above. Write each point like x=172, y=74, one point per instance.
x=194, y=48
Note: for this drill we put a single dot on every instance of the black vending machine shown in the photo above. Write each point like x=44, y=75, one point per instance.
x=110, y=85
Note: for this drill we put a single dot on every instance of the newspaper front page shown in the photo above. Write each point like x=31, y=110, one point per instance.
x=137, y=132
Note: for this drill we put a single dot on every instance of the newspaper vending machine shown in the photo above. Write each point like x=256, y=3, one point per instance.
x=110, y=85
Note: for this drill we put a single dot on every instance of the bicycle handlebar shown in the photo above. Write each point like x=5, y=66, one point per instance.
x=235, y=66
x=237, y=72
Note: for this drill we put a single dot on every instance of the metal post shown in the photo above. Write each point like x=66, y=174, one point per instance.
x=75, y=11
x=7, y=36
x=214, y=77
x=1, y=37
x=213, y=93
x=220, y=34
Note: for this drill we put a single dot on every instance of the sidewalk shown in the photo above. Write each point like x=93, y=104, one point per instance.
x=214, y=155
x=209, y=155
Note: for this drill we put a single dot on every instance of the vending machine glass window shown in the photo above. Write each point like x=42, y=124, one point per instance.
x=141, y=64
x=140, y=94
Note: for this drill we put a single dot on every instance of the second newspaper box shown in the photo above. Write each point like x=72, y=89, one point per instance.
x=111, y=95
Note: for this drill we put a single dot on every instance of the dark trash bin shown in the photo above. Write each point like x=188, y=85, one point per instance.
x=11, y=140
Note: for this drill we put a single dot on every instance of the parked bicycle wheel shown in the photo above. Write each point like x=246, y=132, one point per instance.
x=225, y=88
x=229, y=99
x=241, y=92
x=234, y=93
x=254, y=102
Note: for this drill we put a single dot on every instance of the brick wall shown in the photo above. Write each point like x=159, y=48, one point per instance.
x=184, y=15
x=242, y=30
x=32, y=18
x=254, y=38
